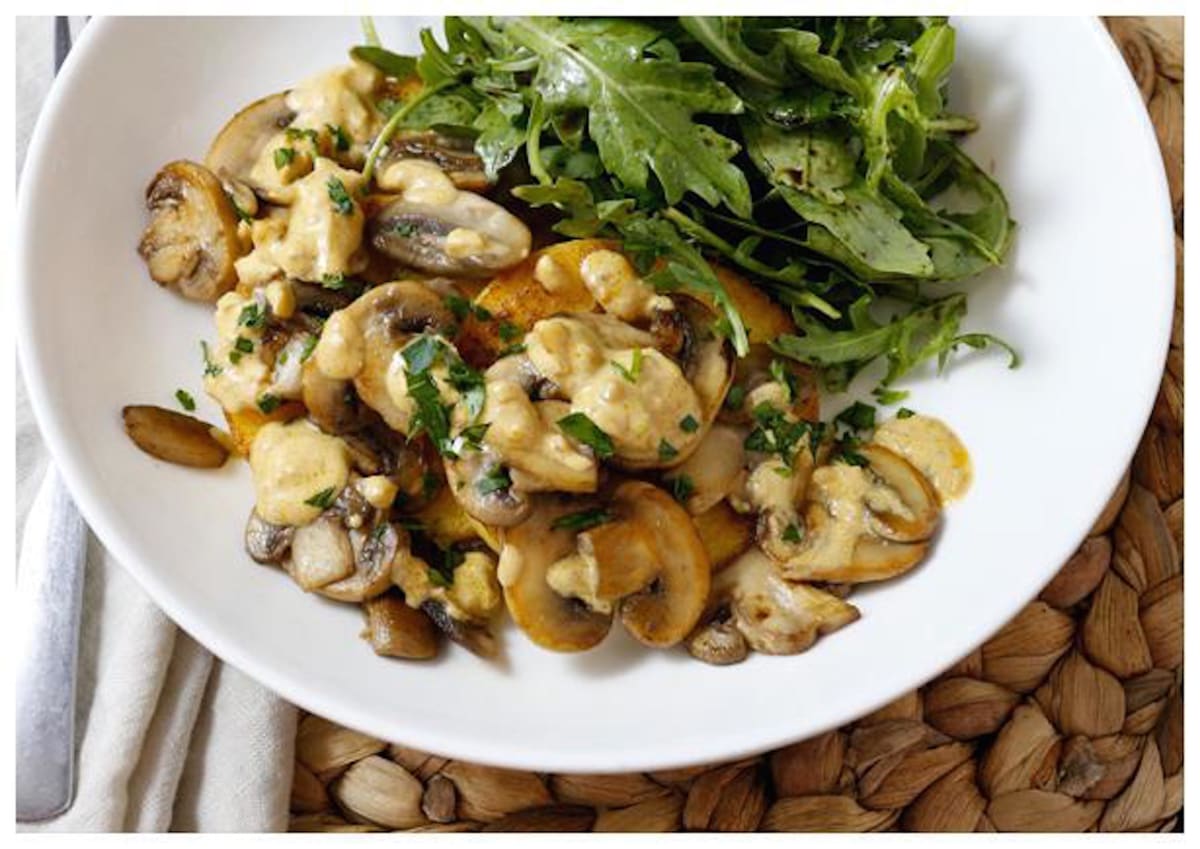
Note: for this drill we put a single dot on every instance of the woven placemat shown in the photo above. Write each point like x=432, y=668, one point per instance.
x=1068, y=719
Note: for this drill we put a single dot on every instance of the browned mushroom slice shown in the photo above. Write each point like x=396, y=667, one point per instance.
x=473, y=636
x=321, y=554
x=455, y=155
x=777, y=616
x=667, y=610
x=705, y=356
x=715, y=469
x=240, y=142
x=916, y=517
x=373, y=552
x=466, y=236
x=471, y=478
x=267, y=542
x=824, y=554
x=527, y=552
x=718, y=641
x=174, y=437
x=330, y=402
x=396, y=630
x=191, y=242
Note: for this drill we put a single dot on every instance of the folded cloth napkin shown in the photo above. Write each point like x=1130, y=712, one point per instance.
x=167, y=736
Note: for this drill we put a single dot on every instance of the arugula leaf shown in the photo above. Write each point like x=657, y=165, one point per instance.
x=392, y=64
x=640, y=110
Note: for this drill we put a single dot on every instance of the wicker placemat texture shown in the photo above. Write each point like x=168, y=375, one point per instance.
x=1069, y=719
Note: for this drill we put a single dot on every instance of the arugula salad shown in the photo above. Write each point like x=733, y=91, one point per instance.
x=537, y=322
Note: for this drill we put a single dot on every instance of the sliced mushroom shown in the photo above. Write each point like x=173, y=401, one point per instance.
x=473, y=636
x=916, y=517
x=466, y=236
x=396, y=630
x=267, y=542
x=527, y=552
x=469, y=476
x=321, y=554
x=374, y=551
x=666, y=611
x=871, y=558
x=455, y=155
x=174, y=437
x=331, y=403
x=705, y=356
x=240, y=142
x=192, y=241
x=361, y=341
x=777, y=616
x=718, y=641
x=715, y=469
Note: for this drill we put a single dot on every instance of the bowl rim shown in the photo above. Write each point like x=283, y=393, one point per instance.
x=66, y=456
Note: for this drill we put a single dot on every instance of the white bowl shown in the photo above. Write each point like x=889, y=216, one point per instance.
x=1087, y=297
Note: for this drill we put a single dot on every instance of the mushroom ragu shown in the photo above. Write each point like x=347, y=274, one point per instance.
x=443, y=424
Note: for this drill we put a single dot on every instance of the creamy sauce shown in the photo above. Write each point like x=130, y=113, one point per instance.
x=282, y=298
x=291, y=463
x=379, y=491
x=239, y=384
x=462, y=242
x=550, y=273
x=339, y=352
x=419, y=181
x=933, y=448
x=615, y=284
x=577, y=353
x=524, y=435
x=317, y=239
x=574, y=577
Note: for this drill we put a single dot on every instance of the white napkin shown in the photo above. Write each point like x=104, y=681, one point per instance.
x=167, y=736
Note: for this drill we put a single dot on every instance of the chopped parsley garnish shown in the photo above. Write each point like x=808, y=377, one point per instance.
x=335, y=282
x=583, y=520
x=342, y=203
x=322, y=499
x=496, y=478
x=473, y=435
x=405, y=229
x=269, y=403
x=235, y=357
x=284, y=156
x=481, y=313
x=469, y=384
x=310, y=344
x=211, y=369
x=688, y=424
x=775, y=433
x=297, y=133
x=858, y=416
x=421, y=354
x=904, y=413
x=459, y=306
x=243, y=345
x=432, y=416
x=252, y=315
x=341, y=141
x=784, y=378
x=735, y=397
x=845, y=453
x=509, y=350
x=509, y=331
x=792, y=533
x=635, y=366
x=667, y=451
x=185, y=400
x=242, y=214
x=582, y=429
x=682, y=488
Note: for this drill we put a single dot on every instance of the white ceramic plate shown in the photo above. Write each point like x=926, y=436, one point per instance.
x=1087, y=297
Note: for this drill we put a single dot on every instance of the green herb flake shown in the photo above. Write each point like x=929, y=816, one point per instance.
x=342, y=202
x=341, y=141
x=235, y=357
x=269, y=403
x=509, y=331
x=185, y=400
x=211, y=369
x=405, y=229
x=585, y=431
x=284, y=156
x=784, y=377
x=889, y=396
x=682, y=488
x=298, y=134
x=688, y=424
x=905, y=413
x=583, y=520
x=792, y=533
x=858, y=416
x=459, y=306
x=335, y=282
x=735, y=398
x=323, y=499
x=243, y=345
x=252, y=315
x=667, y=451
x=242, y=214
x=494, y=479
x=310, y=344
x=440, y=579
x=634, y=370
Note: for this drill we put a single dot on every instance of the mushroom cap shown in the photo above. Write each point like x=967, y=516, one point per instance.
x=527, y=552
x=873, y=558
x=922, y=509
x=374, y=550
x=666, y=611
x=777, y=616
x=191, y=241
x=240, y=142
